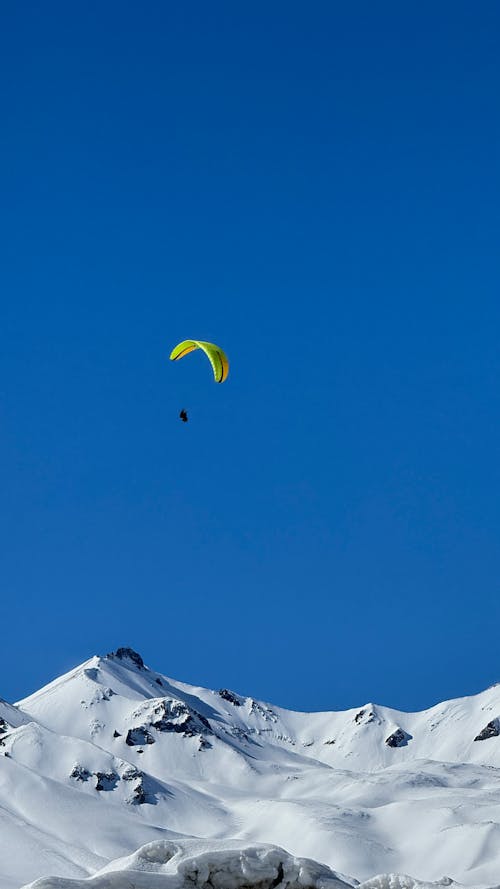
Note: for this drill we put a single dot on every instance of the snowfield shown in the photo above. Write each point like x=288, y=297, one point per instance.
x=116, y=776
x=175, y=865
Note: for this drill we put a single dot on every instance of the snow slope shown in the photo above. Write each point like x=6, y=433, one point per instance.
x=168, y=864
x=113, y=756
x=191, y=864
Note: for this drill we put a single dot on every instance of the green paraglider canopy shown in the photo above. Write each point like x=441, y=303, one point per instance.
x=216, y=356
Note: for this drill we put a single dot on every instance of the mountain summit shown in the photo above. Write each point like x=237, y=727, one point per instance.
x=114, y=755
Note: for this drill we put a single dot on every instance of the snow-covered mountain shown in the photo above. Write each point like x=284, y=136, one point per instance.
x=113, y=756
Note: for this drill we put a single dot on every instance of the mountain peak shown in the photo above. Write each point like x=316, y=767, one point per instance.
x=129, y=762
x=128, y=654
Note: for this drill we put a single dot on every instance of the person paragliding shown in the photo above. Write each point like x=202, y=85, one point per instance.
x=216, y=356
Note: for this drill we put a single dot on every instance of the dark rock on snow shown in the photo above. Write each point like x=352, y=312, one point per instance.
x=80, y=773
x=106, y=780
x=137, y=736
x=399, y=738
x=365, y=716
x=176, y=716
x=138, y=797
x=132, y=774
x=138, y=794
x=128, y=654
x=489, y=731
x=230, y=696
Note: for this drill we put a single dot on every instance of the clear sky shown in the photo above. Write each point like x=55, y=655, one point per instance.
x=315, y=186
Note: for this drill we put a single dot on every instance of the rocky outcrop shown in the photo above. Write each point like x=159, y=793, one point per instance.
x=106, y=780
x=128, y=654
x=80, y=773
x=365, y=716
x=398, y=738
x=264, y=712
x=138, y=793
x=171, y=715
x=230, y=696
x=492, y=730
x=136, y=737
x=168, y=715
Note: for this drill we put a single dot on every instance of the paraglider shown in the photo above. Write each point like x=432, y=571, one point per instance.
x=216, y=356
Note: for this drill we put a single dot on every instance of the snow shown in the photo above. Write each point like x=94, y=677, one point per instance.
x=190, y=864
x=114, y=757
x=179, y=865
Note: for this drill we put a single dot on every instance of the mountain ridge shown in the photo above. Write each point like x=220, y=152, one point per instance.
x=134, y=755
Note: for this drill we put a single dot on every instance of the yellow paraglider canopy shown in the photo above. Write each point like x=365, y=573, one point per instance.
x=216, y=356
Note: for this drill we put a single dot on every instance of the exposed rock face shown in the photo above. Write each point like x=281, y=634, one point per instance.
x=230, y=696
x=128, y=654
x=171, y=715
x=168, y=715
x=489, y=731
x=106, y=780
x=263, y=711
x=80, y=773
x=136, y=737
x=138, y=797
x=4, y=726
x=365, y=716
x=138, y=793
x=399, y=738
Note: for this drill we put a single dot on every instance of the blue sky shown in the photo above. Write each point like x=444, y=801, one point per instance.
x=316, y=188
